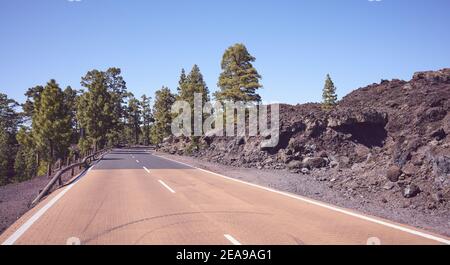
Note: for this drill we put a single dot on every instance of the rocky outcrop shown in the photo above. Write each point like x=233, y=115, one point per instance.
x=387, y=141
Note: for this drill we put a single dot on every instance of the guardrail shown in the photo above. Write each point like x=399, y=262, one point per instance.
x=58, y=176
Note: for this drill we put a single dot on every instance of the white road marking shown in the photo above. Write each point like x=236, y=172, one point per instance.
x=73, y=241
x=327, y=206
x=137, y=161
x=166, y=186
x=232, y=240
x=146, y=169
x=22, y=229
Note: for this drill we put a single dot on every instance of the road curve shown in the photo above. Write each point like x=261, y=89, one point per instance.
x=134, y=197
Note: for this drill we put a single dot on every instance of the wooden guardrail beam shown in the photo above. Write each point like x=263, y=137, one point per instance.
x=58, y=176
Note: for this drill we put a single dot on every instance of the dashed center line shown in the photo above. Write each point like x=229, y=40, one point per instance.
x=146, y=169
x=137, y=161
x=232, y=240
x=166, y=186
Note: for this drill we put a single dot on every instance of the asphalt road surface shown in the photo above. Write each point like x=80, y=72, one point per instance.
x=134, y=197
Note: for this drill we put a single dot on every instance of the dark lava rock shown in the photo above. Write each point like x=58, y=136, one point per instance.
x=389, y=186
x=443, y=164
x=438, y=197
x=393, y=173
x=314, y=162
x=403, y=123
x=305, y=171
x=411, y=191
x=439, y=134
x=295, y=165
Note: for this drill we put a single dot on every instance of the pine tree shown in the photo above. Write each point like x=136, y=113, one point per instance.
x=51, y=123
x=70, y=101
x=4, y=156
x=164, y=100
x=102, y=109
x=147, y=117
x=134, y=118
x=239, y=80
x=33, y=96
x=95, y=111
x=191, y=85
x=8, y=115
x=182, y=82
x=117, y=88
x=9, y=120
x=25, y=164
x=329, y=94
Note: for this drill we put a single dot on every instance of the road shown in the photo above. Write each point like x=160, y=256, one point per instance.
x=135, y=197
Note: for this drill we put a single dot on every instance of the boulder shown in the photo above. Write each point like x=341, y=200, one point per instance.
x=305, y=171
x=389, y=186
x=438, y=197
x=334, y=164
x=433, y=76
x=411, y=191
x=314, y=162
x=443, y=164
x=393, y=173
x=295, y=165
x=439, y=134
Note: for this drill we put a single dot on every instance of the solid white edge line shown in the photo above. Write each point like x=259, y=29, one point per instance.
x=166, y=186
x=232, y=240
x=23, y=228
x=146, y=169
x=327, y=206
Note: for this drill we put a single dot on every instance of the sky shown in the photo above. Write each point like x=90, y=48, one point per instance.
x=296, y=43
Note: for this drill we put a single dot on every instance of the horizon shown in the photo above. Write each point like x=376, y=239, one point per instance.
x=294, y=47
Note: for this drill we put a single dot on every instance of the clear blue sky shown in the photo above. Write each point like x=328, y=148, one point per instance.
x=296, y=43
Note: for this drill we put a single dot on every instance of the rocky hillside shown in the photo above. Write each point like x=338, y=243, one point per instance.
x=386, y=142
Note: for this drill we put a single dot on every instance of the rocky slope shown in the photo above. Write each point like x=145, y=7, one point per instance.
x=386, y=142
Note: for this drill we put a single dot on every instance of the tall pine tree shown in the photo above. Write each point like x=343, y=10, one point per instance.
x=70, y=101
x=52, y=129
x=239, y=80
x=95, y=111
x=134, y=118
x=33, y=96
x=164, y=100
x=147, y=117
x=26, y=164
x=5, y=171
x=189, y=86
x=9, y=120
x=182, y=82
x=329, y=94
x=117, y=88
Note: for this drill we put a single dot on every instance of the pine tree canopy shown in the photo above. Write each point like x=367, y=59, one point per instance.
x=191, y=84
x=239, y=80
x=164, y=100
x=52, y=122
x=9, y=120
x=329, y=94
x=147, y=117
x=134, y=118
